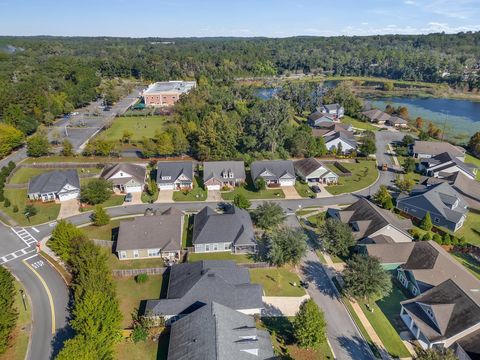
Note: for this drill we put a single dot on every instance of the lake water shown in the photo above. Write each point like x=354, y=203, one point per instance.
x=460, y=117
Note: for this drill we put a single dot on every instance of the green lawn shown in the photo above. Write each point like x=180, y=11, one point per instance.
x=45, y=211
x=79, y=158
x=130, y=293
x=106, y=232
x=140, y=126
x=277, y=281
x=305, y=211
x=198, y=193
x=283, y=340
x=475, y=161
x=317, y=219
x=187, y=232
x=17, y=349
x=358, y=124
x=303, y=189
x=115, y=264
x=24, y=174
x=386, y=322
x=148, y=350
x=364, y=174
x=469, y=262
x=250, y=192
x=471, y=228
x=240, y=258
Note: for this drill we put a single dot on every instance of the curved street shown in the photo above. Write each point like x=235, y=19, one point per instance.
x=49, y=294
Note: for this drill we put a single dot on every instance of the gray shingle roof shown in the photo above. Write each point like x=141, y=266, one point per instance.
x=216, y=169
x=173, y=170
x=395, y=120
x=137, y=172
x=305, y=167
x=193, y=285
x=53, y=181
x=343, y=136
x=235, y=226
x=162, y=232
x=437, y=147
x=376, y=115
x=471, y=344
x=278, y=169
x=449, y=161
x=218, y=332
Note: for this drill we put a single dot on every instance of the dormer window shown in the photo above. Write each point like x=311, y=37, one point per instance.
x=230, y=174
x=429, y=313
x=354, y=226
x=166, y=178
x=225, y=174
x=455, y=204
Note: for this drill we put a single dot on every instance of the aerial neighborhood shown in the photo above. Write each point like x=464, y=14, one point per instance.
x=240, y=198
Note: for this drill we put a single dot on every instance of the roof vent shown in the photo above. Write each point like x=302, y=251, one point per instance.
x=211, y=275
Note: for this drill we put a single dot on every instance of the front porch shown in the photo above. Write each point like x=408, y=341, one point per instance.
x=414, y=329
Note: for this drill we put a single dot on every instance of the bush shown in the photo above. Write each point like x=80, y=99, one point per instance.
x=6, y=202
x=437, y=238
x=141, y=278
x=427, y=236
x=15, y=208
x=139, y=333
x=30, y=210
x=100, y=217
x=96, y=191
x=8, y=315
x=446, y=239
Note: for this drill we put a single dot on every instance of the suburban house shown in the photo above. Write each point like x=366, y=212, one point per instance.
x=312, y=170
x=217, y=332
x=166, y=93
x=274, y=172
x=468, y=188
x=446, y=206
x=59, y=185
x=229, y=231
x=396, y=121
x=127, y=178
x=376, y=116
x=348, y=143
x=328, y=129
x=427, y=149
x=219, y=174
x=175, y=175
x=317, y=117
x=371, y=224
x=445, y=164
x=468, y=347
x=156, y=236
x=335, y=110
x=196, y=284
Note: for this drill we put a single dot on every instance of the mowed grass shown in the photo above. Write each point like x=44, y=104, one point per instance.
x=25, y=174
x=250, y=192
x=471, y=228
x=146, y=350
x=364, y=173
x=130, y=294
x=140, y=126
x=358, y=124
x=277, y=281
x=469, y=262
x=303, y=189
x=240, y=258
x=198, y=193
x=17, y=347
x=475, y=161
x=105, y=232
x=45, y=211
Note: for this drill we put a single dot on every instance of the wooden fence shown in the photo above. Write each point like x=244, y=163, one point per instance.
x=135, y=272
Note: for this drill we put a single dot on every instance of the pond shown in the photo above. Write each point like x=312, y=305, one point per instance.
x=461, y=118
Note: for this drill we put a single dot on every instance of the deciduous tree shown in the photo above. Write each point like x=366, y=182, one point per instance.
x=309, y=325
x=284, y=246
x=96, y=191
x=268, y=215
x=100, y=217
x=336, y=237
x=241, y=201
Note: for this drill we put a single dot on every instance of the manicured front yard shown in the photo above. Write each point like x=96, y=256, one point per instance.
x=277, y=281
x=364, y=173
x=24, y=174
x=240, y=258
x=303, y=189
x=106, y=232
x=198, y=193
x=317, y=219
x=250, y=192
x=130, y=294
x=386, y=321
x=187, y=232
x=283, y=340
x=140, y=126
x=45, y=211
x=469, y=262
x=18, y=344
x=475, y=161
x=148, y=350
x=471, y=228
x=358, y=124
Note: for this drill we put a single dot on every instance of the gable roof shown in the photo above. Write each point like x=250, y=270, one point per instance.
x=369, y=218
x=345, y=137
x=53, y=181
x=453, y=311
x=448, y=160
x=307, y=166
x=440, y=197
x=471, y=344
x=376, y=115
x=215, y=169
x=173, y=169
x=218, y=332
x=278, y=169
x=234, y=225
x=162, y=232
x=390, y=253
x=137, y=172
x=437, y=147
x=192, y=285
x=395, y=120
x=332, y=107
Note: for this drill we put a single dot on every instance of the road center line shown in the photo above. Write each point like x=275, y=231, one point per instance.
x=49, y=294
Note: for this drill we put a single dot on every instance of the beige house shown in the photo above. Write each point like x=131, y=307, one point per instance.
x=158, y=236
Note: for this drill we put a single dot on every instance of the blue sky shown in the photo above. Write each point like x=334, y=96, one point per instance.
x=273, y=18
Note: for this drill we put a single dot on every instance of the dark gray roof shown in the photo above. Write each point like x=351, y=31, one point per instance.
x=218, y=332
x=278, y=169
x=331, y=107
x=305, y=167
x=53, y=181
x=137, y=172
x=395, y=120
x=391, y=253
x=234, y=225
x=376, y=115
x=437, y=147
x=343, y=136
x=436, y=199
x=162, y=232
x=448, y=160
x=193, y=285
x=453, y=311
x=173, y=169
x=471, y=344
x=216, y=169
x=367, y=218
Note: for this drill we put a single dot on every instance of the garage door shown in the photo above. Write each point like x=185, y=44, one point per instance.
x=68, y=196
x=166, y=187
x=132, y=189
x=287, y=182
x=213, y=187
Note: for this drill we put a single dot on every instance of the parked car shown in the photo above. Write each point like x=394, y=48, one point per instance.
x=316, y=189
x=128, y=197
x=304, y=284
x=384, y=167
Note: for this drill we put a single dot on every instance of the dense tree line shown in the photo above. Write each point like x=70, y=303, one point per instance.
x=8, y=315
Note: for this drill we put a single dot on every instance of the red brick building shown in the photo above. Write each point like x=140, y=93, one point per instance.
x=162, y=94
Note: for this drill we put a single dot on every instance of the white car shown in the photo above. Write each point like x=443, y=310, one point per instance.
x=74, y=113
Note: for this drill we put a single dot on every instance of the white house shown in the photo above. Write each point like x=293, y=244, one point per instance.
x=313, y=171
x=125, y=177
x=55, y=185
x=348, y=144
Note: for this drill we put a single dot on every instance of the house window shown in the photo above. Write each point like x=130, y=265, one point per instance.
x=153, y=252
x=166, y=178
x=135, y=254
x=226, y=246
x=231, y=175
x=123, y=254
x=437, y=220
x=405, y=209
x=215, y=247
x=207, y=247
x=414, y=290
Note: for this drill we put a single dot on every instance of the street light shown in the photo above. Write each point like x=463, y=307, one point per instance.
x=22, y=294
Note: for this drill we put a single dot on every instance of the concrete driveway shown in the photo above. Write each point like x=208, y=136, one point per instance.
x=290, y=192
x=68, y=208
x=282, y=305
x=165, y=196
x=136, y=199
x=214, y=195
